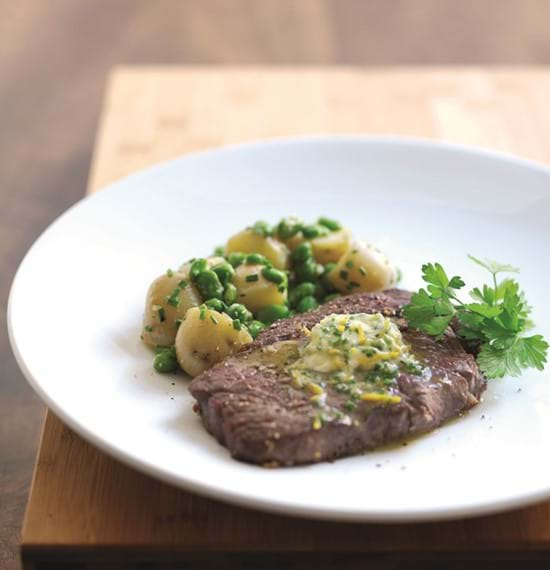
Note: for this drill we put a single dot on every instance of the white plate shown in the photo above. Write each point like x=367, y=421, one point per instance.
x=77, y=301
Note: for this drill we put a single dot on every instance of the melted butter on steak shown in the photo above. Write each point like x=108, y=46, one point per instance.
x=355, y=355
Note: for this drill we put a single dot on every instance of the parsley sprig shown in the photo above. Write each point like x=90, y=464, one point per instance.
x=495, y=320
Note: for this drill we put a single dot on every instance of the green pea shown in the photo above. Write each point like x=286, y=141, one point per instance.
x=307, y=304
x=209, y=285
x=271, y=313
x=262, y=228
x=165, y=361
x=197, y=267
x=255, y=327
x=302, y=253
x=332, y=225
x=239, y=312
x=314, y=231
x=224, y=271
x=236, y=258
x=306, y=271
x=216, y=305
x=289, y=227
x=230, y=293
x=303, y=290
x=256, y=259
x=219, y=251
x=274, y=275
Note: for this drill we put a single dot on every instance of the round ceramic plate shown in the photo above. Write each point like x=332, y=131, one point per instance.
x=77, y=300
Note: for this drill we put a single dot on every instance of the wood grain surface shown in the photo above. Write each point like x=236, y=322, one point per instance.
x=84, y=504
x=157, y=113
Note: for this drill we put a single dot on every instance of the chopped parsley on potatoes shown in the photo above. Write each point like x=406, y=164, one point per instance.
x=213, y=306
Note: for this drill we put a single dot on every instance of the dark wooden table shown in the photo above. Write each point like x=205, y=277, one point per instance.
x=54, y=57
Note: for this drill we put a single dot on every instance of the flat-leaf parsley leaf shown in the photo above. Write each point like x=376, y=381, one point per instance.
x=494, y=322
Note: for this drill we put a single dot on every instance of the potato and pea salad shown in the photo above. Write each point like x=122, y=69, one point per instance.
x=211, y=307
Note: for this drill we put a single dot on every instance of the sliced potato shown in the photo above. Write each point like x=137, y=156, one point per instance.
x=206, y=337
x=363, y=268
x=331, y=247
x=159, y=320
x=249, y=241
x=258, y=293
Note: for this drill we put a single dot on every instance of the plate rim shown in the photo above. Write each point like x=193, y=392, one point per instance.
x=193, y=484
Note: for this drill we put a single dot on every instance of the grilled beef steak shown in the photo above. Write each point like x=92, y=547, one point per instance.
x=249, y=403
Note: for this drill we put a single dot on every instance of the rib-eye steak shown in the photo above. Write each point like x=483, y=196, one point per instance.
x=251, y=405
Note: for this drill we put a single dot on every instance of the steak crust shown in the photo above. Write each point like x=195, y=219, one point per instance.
x=249, y=405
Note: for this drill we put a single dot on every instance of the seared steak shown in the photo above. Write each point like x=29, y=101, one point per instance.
x=249, y=404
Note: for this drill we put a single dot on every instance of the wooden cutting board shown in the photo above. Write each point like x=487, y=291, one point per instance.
x=86, y=509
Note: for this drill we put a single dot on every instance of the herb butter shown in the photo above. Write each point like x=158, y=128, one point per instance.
x=352, y=343
x=358, y=355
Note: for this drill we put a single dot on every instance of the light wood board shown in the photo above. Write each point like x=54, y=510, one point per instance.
x=82, y=500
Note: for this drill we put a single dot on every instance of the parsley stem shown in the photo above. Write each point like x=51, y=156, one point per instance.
x=455, y=298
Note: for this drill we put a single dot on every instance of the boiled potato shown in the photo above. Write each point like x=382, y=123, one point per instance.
x=206, y=337
x=159, y=320
x=326, y=248
x=293, y=242
x=248, y=241
x=362, y=268
x=331, y=247
x=259, y=293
